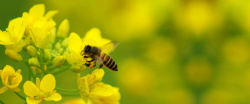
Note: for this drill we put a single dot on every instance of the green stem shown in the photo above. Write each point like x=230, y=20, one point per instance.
x=1, y=102
x=30, y=70
x=71, y=94
x=41, y=60
x=66, y=90
x=21, y=96
x=60, y=70
x=51, y=68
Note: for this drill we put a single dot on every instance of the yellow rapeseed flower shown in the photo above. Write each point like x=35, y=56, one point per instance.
x=42, y=91
x=76, y=44
x=12, y=37
x=35, y=13
x=40, y=32
x=38, y=25
x=92, y=89
x=75, y=47
x=93, y=37
x=10, y=79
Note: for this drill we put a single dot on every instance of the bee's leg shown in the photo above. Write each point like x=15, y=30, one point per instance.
x=87, y=64
x=92, y=65
x=101, y=66
x=90, y=60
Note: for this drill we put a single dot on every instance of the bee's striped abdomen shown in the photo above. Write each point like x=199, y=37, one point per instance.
x=109, y=62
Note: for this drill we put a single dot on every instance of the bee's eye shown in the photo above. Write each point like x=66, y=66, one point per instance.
x=87, y=49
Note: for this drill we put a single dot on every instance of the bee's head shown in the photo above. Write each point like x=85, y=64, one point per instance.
x=86, y=49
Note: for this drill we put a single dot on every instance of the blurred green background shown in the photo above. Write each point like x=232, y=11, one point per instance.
x=170, y=52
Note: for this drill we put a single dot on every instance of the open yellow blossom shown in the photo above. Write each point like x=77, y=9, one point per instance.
x=35, y=13
x=40, y=32
x=93, y=37
x=76, y=44
x=92, y=89
x=10, y=79
x=12, y=37
x=42, y=91
x=75, y=47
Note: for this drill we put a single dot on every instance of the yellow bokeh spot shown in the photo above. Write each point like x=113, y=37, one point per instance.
x=136, y=78
x=236, y=51
x=198, y=72
x=161, y=51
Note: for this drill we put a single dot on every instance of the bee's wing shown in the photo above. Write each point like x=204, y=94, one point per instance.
x=109, y=47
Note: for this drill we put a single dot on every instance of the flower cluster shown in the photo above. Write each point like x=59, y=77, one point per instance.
x=50, y=52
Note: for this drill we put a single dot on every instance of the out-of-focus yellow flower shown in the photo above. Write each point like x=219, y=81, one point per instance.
x=12, y=37
x=161, y=52
x=174, y=96
x=136, y=20
x=218, y=96
x=198, y=72
x=143, y=79
x=236, y=51
x=35, y=13
x=42, y=91
x=198, y=17
x=92, y=89
x=10, y=79
x=63, y=29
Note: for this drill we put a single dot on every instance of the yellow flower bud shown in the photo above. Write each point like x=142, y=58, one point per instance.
x=13, y=55
x=58, y=61
x=34, y=61
x=78, y=70
x=63, y=29
x=47, y=54
x=53, y=34
x=58, y=46
x=65, y=42
x=32, y=51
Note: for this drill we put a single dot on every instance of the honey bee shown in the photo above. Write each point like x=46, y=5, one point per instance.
x=93, y=54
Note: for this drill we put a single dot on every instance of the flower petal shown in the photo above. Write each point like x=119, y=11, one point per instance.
x=48, y=83
x=3, y=89
x=50, y=14
x=99, y=73
x=112, y=99
x=37, y=10
x=93, y=34
x=16, y=29
x=15, y=81
x=7, y=70
x=101, y=89
x=54, y=97
x=5, y=38
x=32, y=101
x=30, y=89
x=83, y=86
x=75, y=43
